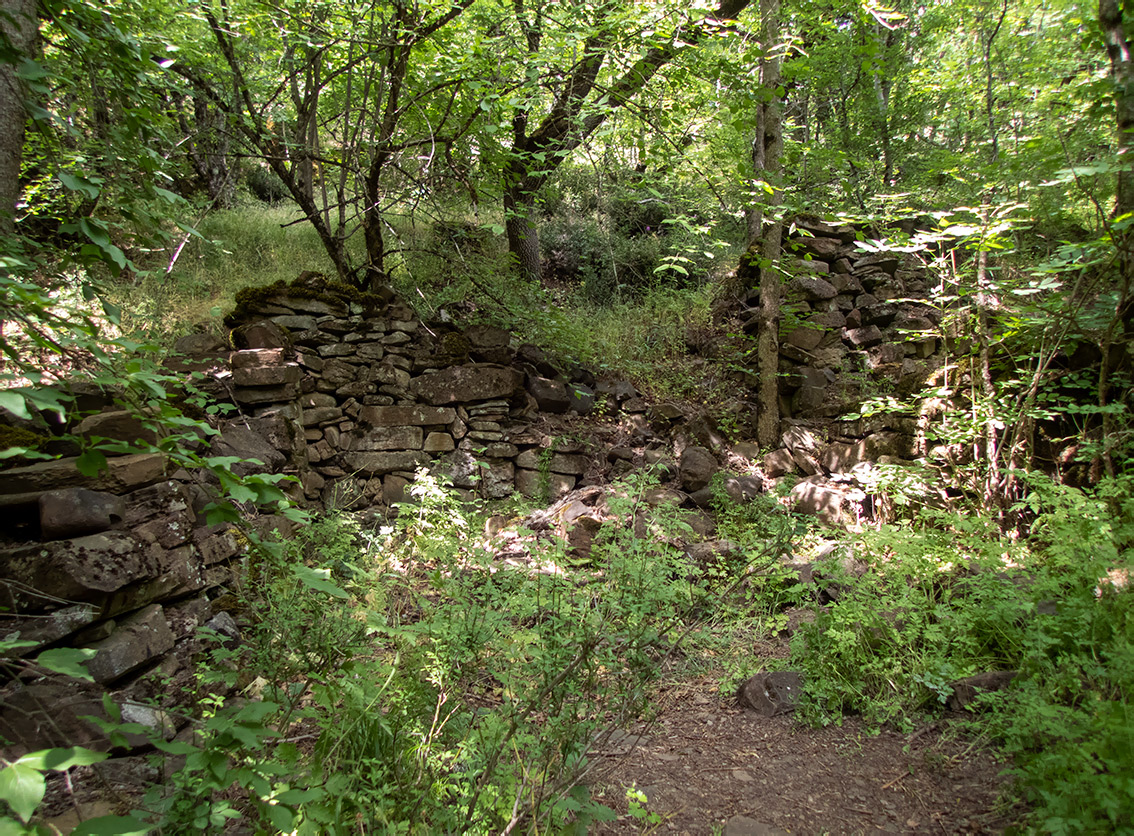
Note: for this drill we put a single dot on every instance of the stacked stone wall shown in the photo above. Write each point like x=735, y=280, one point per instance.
x=353, y=394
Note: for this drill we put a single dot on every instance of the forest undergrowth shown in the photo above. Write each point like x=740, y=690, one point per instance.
x=405, y=679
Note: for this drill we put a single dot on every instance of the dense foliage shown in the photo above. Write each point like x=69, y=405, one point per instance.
x=584, y=172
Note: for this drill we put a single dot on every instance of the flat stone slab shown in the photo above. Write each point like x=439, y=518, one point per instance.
x=86, y=569
x=138, y=640
x=472, y=382
x=123, y=474
x=411, y=416
x=377, y=464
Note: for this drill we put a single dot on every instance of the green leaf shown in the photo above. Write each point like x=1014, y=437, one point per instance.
x=14, y=402
x=79, y=184
x=95, y=231
x=68, y=661
x=23, y=788
x=282, y=819
x=46, y=398
x=11, y=827
x=112, y=826
x=62, y=759
x=317, y=580
x=91, y=462
x=175, y=747
x=168, y=196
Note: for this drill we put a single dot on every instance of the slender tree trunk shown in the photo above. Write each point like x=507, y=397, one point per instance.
x=1122, y=75
x=1112, y=21
x=764, y=237
x=21, y=31
x=984, y=300
x=989, y=100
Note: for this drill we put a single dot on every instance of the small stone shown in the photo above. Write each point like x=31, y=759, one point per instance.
x=771, y=693
x=421, y=416
x=387, y=438
x=696, y=467
x=295, y=323
x=266, y=375
x=861, y=337
x=138, y=640
x=438, y=442
x=568, y=463
x=550, y=395
x=72, y=512
x=778, y=462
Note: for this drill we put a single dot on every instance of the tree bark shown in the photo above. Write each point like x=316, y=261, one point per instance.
x=20, y=31
x=1113, y=24
x=765, y=237
x=1122, y=75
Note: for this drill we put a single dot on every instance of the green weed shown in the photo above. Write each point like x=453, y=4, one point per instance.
x=947, y=597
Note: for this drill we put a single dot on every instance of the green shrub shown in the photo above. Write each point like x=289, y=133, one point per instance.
x=948, y=597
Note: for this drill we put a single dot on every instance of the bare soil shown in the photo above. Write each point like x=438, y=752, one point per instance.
x=708, y=766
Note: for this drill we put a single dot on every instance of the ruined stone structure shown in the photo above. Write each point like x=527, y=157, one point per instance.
x=352, y=394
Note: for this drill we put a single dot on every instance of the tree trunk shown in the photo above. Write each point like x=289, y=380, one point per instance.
x=520, y=220
x=574, y=116
x=1113, y=25
x=20, y=30
x=764, y=237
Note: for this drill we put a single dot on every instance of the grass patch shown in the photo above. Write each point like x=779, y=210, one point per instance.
x=248, y=246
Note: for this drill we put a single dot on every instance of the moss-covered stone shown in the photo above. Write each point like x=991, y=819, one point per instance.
x=453, y=349
x=11, y=437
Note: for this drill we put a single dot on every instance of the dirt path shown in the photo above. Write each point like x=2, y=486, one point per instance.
x=709, y=767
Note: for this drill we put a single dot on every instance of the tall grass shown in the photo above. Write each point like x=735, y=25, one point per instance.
x=247, y=246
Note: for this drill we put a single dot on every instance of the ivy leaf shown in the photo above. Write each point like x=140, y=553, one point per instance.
x=22, y=787
x=68, y=661
x=91, y=462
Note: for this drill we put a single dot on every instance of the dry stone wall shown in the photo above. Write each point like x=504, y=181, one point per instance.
x=353, y=394
x=375, y=394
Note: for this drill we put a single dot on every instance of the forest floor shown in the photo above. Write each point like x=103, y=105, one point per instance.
x=707, y=766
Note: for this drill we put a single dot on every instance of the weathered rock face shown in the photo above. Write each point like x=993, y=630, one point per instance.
x=848, y=324
x=462, y=384
x=86, y=569
x=697, y=466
